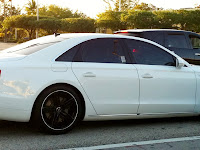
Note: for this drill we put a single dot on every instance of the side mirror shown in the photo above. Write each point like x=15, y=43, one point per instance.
x=179, y=63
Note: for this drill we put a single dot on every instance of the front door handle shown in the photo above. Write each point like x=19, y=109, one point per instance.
x=147, y=75
x=197, y=54
x=89, y=74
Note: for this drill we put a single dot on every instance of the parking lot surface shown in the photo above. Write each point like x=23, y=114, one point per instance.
x=6, y=45
x=22, y=136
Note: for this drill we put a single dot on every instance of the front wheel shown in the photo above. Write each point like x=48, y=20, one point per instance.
x=57, y=110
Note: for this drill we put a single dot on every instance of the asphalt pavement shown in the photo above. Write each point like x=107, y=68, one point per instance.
x=21, y=136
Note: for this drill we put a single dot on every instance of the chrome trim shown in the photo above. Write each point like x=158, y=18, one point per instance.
x=113, y=115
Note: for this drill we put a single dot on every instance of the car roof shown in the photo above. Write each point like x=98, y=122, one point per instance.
x=152, y=30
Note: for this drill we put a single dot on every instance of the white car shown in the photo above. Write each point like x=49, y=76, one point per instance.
x=58, y=80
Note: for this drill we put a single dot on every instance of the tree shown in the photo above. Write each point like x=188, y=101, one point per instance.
x=189, y=20
x=125, y=4
x=140, y=19
x=31, y=7
x=50, y=25
x=145, y=6
x=8, y=10
x=167, y=19
x=111, y=19
x=29, y=23
x=59, y=12
x=78, y=25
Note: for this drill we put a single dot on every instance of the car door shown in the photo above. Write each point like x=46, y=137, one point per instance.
x=195, y=44
x=164, y=88
x=111, y=83
x=178, y=43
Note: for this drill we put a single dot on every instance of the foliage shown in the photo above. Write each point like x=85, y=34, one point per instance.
x=189, y=20
x=78, y=25
x=145, y=6
x=166, y=19
x=140, y=19
x=111, y=19
x=56, y=11
x=125, y=4
x=59, y=12
x=29, y=23
x=9, y=11
x=31, y=7
x=50, y=25
x=178, y=19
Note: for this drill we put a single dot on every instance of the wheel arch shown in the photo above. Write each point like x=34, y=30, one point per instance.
x=62, y=84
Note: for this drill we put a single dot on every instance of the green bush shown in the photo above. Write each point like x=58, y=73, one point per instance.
x=78, y=25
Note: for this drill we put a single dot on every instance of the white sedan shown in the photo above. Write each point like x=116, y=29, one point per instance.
x=58, y=80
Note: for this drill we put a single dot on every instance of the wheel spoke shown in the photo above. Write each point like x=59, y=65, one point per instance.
x=66, y=115
x=54, y=119
x=56, y=100
x=48, y=109
x=67, y=103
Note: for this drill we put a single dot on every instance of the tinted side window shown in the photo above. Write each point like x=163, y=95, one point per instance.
x=177, y=41
x=68, y=55
x=145, y=53
x=195, y=41
x=102, y=51
x=157, y=37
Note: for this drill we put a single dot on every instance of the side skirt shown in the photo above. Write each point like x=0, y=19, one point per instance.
x=137, y=116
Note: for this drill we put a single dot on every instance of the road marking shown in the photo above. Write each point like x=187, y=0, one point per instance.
x=136, y=143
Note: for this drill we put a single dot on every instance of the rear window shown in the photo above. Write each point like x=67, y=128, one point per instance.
x=33, y=46
x=28, y=50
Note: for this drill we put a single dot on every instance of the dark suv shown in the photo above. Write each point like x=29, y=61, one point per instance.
x=186, y=44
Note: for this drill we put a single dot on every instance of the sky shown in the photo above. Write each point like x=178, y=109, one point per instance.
x=93, y=7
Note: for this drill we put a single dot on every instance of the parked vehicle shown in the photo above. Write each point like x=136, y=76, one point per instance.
x=57, y=81
x=186, y=44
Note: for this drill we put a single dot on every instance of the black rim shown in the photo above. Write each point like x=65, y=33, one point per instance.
x=59, y=110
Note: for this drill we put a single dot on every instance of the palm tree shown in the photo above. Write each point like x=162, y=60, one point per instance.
x=31, y=7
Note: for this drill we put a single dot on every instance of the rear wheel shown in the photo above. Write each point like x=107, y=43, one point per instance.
x=57, y=110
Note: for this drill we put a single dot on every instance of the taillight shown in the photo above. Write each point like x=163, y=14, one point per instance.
x=0, y=73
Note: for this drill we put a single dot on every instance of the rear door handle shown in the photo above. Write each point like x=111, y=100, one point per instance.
x=89, y=74
x=147, y=75
x=197, y=54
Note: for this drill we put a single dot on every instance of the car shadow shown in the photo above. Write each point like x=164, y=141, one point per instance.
x=15, y=128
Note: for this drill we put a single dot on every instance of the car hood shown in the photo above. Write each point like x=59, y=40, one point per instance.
x=10, y=57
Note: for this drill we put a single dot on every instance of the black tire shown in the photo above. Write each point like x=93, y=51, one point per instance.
x=57, y=110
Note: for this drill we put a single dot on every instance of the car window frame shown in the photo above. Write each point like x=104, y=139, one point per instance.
x=77, y=57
